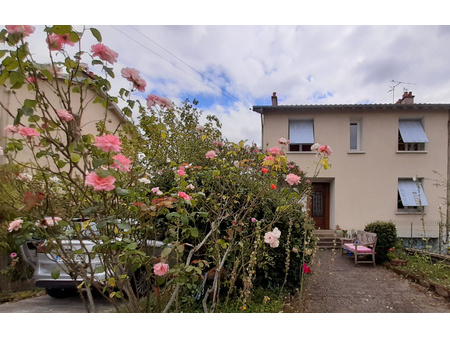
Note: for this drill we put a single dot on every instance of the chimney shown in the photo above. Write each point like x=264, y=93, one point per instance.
x=274, y=99
x=408, y=98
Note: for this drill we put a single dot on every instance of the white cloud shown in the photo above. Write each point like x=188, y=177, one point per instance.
x=230, y=68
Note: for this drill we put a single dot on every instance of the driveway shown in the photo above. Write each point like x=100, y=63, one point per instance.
x=47, y=304
x=336, y=285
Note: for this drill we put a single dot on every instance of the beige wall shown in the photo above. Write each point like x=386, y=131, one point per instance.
x=364, y=185
x=95, y=112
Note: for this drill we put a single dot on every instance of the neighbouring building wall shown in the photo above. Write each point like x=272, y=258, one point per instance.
x=364, y=183
x=95, y=112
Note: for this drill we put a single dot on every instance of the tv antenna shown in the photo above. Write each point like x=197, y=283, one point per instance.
x=396, y=84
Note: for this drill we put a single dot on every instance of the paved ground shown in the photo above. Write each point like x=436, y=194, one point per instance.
x=336, y=285
x=47, y=304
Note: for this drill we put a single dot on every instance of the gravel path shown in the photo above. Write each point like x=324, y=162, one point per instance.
x=336, y=285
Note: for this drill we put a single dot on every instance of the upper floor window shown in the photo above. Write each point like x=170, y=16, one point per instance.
x=355, y=135
x=410, y=194
x=301, y=135
x=411, y=135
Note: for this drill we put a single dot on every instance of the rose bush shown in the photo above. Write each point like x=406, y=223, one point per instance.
x=229, y=214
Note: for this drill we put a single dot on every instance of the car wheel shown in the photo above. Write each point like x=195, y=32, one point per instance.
x=61, y=293
x=140, y=282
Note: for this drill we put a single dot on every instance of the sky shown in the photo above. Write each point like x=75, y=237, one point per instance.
x=229, y=68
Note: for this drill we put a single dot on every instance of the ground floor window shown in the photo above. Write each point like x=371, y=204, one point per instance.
x=411, y=196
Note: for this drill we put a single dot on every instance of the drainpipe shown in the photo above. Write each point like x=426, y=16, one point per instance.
x=262, y=129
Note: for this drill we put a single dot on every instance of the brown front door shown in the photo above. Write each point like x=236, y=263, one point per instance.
x=320, y=205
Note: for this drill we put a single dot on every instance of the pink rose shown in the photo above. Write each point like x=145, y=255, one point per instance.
x=181, y=172
x=269, y=158
x=325, y=150
x=292, y=179
x=15, y=225
x=100, y=183
x=153, y=100
x=160, y=269
x=190, y=187
x=104, y=53
x=65, y=38
x=13, y=255
x=274, y=151
x=276, y=232
x=315, y=146
x=283, y=141
x=108, y=142
x=64, y=115
x=184, y=196
x=271, y=239
x=210, y=154
x=121, y=163
x=26, y=30
x=50, y=221
x=12, y=129
x=132, y=75
x=157, y=191
x=218, y=144
x=54, y=42
x=29, y=132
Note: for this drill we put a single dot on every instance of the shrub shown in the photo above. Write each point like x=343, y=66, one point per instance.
x=386, y=238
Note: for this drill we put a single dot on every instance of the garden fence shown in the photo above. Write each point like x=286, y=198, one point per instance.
x=430, y=235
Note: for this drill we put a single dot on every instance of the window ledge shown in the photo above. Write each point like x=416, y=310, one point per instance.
x=411, y=152
x=356, y=152
x=402, y=212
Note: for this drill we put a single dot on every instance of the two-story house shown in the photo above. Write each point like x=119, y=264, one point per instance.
x=385, y=162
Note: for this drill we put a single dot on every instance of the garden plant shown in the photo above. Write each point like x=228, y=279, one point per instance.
x=229, y=214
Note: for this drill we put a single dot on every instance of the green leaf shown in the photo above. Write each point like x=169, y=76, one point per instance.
x=100, y=269
x=194, y=232
x=121, y=192
x=75, y=158
x=180, y=248
x=61, y=164
x=29, y=103
x=4, y=75
x=160, y=280
x=34, y=119
x=96, y=34
x=132, y=246
x=97, y=162
x=18, y=116
x=171, y=215
x=109, y=71
x=189, y=268
x=96, y=62
x=61, y=29
x=166, y=252
x=90, y=210
x=103, y=173
x=56, y=273
x=47, y=74
x=124, y=226
x=74, y=37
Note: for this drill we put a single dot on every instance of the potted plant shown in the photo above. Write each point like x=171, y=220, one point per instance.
x=397, y=255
